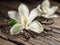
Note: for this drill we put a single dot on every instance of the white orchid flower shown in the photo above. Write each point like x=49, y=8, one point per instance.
x=47, y=11
x=25, y=20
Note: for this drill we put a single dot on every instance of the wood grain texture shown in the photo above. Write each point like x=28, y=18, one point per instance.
x=4, y=42
x=48, y=37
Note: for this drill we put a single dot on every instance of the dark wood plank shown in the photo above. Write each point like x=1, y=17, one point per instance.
x=5, y=42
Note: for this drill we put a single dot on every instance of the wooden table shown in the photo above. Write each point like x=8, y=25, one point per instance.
x=49, y=37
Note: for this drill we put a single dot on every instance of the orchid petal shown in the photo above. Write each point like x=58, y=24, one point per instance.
x=36, y=27
x=50, y=16
x=34, y=13
x=53, y=9
x=23, y=10
x=45, y=6
x=38, y=7
x=53, y=16
x=14, y=15
x=46, y=3
x=16, y=29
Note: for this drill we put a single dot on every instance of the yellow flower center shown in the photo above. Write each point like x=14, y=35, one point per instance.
x=25, y=20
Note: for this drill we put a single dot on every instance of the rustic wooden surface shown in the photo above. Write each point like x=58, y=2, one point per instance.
x=48, y=37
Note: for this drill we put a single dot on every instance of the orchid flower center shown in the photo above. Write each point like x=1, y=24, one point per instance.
x=25, y=20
